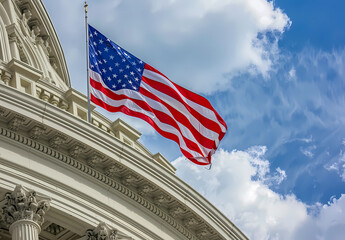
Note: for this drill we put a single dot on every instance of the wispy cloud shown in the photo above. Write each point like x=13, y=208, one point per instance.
x=234, y=187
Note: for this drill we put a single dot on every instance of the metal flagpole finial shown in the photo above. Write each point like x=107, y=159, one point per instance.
x=85, y=6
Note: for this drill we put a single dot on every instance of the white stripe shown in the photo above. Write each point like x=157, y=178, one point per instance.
x=181, y=108
x=209, y=134
x=134, y=107
x=201, y=109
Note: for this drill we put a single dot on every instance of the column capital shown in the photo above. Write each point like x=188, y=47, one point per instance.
x=22, y=204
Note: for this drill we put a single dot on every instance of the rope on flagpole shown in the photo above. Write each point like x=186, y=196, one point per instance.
x=87, y=65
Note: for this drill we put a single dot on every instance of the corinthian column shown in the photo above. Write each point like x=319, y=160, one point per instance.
x=23, y=214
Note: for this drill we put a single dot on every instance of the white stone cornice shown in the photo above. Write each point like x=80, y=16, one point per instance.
x=149, y=172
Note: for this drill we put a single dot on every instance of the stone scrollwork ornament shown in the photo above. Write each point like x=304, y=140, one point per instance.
x=22, y=204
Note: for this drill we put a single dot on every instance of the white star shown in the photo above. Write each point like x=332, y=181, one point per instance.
x=105, y=61
x=140, y=62
x=123, y=60
x=110, y=68
x=96, y=63
x=134, y=88
x=134, y=63
x=117, y=64
x=96, y=54
x=132, y=73
x=111, y=57
x=127, y=66
x=114, y=86
x=92, y=66
x=101, y=41
x=91, y=35
x=95, y=33
x=109, y=78
x=119, y=53
x=136, y=79
x=119, y=80
x=123, y=85
x=106, y=49
x=103, y=70
x=99, y=52
x=100, y=62
x=93, y=55
x=138, y=69
x=121, y=70
x=108, y=39
x=114, y=75
x=130, y=82
x=94, y=43
x=126, y=76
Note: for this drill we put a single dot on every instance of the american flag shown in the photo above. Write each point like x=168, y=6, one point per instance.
x=120, y=82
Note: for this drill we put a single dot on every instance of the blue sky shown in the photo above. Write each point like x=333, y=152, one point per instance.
x=274, y=71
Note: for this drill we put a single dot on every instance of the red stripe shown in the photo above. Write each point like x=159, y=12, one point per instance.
x=130, y=112
x=181, y=118
x=163, y=117
x=206, y=122
x=191, y=95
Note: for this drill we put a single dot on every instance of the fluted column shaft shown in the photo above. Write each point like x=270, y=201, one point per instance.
x=25, y=230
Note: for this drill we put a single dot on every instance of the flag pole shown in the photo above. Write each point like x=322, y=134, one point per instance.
x=87, y=65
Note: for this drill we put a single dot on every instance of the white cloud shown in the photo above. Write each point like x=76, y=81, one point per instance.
x=308, y=151
x=198, y=41
x=237, y=185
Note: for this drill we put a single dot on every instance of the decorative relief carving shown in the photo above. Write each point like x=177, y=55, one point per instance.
x=113, y=170
x=76, y=150
x=102, y=232
x=36, y=131
x=57, y=140
x=95, y=159
x=22, y=204
x=161, y=198
x=176, y=211
x=204, y=233
x=144, y=190
x=129, y=179
x=191, y=221
x=16, y=122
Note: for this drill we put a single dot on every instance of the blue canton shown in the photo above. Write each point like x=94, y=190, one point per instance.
x=119, y=69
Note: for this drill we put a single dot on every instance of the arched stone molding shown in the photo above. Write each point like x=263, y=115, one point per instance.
x=5, y=54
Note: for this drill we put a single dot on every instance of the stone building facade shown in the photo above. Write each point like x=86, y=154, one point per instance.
x=64, y=178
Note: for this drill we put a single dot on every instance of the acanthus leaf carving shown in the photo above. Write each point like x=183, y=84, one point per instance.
x=22, y=204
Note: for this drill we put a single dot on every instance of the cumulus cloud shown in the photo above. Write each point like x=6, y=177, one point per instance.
x=200, y=41
x=237, y=185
